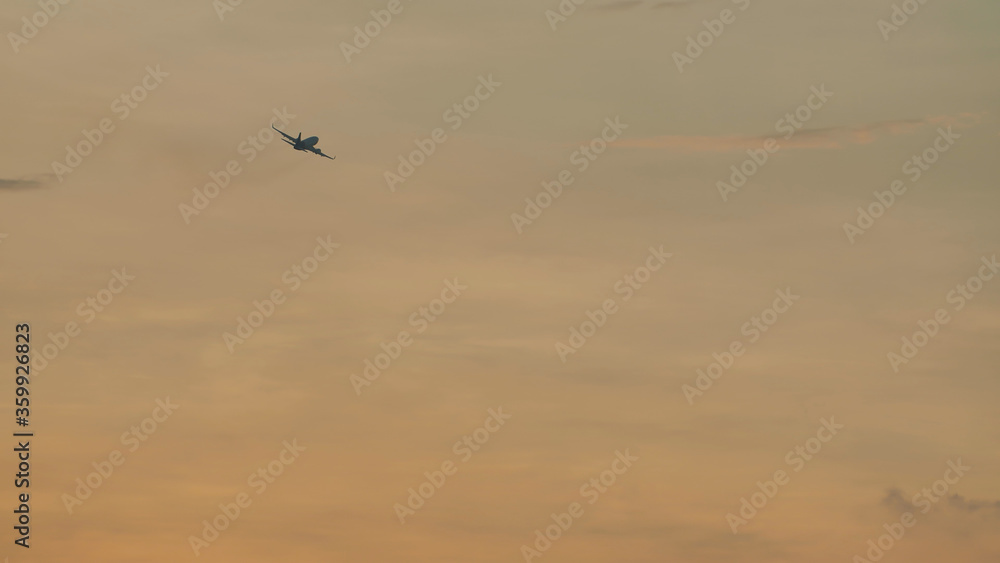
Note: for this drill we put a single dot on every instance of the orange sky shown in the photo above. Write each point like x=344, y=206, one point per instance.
x=498, y=395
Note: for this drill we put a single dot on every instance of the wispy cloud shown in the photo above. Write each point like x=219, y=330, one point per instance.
x=620, y=5
x=959, y=502
x=674, y=4
x=896, y=500
x=824, y=138
x=623, y=5
x=23, y=183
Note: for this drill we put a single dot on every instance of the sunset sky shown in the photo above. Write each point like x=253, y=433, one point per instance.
x=654, y=235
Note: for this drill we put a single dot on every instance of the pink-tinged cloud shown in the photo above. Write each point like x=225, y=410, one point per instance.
x=827, y=138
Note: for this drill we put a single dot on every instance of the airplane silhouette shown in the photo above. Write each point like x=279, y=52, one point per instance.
x=301, y=144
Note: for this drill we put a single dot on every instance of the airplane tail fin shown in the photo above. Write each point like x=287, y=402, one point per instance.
x=300, y=136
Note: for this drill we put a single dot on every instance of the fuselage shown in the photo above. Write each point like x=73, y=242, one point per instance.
x=306, y=144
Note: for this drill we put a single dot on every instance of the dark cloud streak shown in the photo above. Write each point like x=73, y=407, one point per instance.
x=8, y=184
x=896, y=500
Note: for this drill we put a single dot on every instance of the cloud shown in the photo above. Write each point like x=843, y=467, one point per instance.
x=23, y=183
x=824, y=138
x=622, y=5
x=958, y=502
x=897, y=501
x=674, y=4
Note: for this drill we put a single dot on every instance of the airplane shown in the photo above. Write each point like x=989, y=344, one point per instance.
x=301, y=144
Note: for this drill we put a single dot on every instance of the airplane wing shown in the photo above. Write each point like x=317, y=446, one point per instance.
x=287, y=136
x=319, y=152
